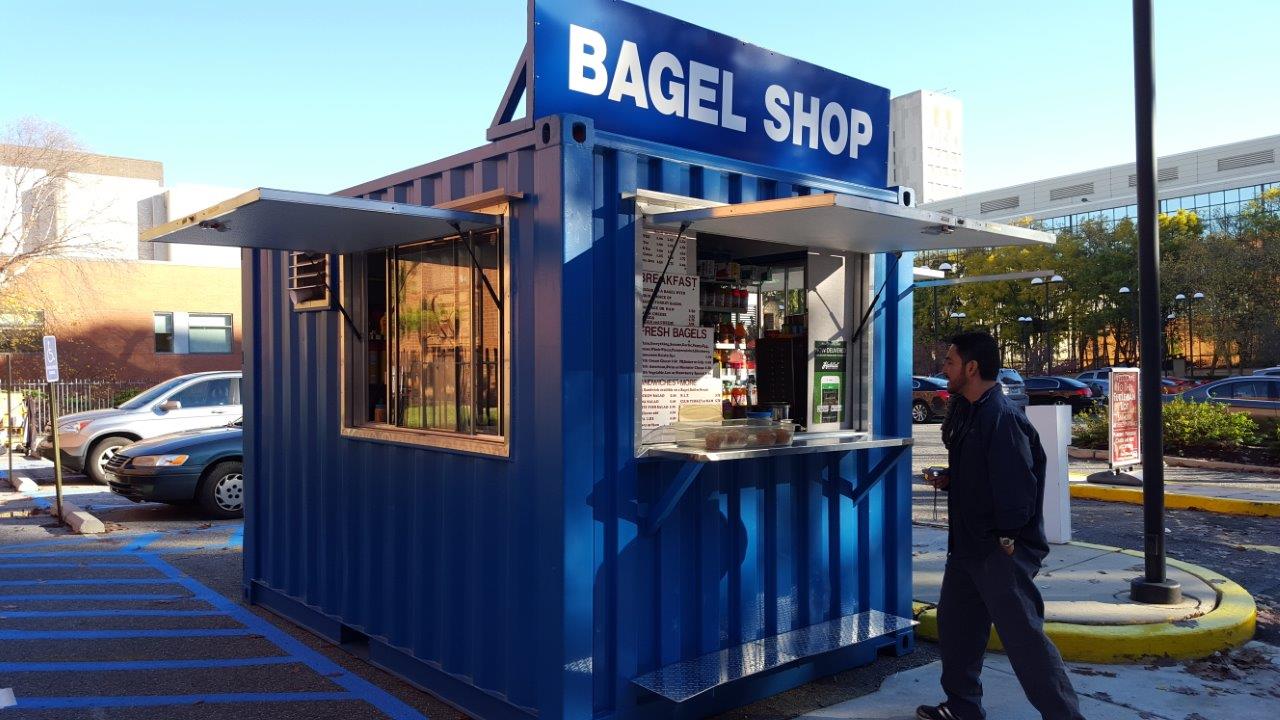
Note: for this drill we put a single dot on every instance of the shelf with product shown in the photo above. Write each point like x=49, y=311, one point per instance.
x=735, y=279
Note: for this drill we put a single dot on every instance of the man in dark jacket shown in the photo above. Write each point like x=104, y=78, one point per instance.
x=995, y=543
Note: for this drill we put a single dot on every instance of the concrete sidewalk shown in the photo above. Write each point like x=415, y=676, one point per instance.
x=1241, y=685
x=1087, y=609
x=1257, y=496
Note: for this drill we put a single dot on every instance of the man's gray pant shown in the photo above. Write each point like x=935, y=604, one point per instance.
x=999, y=589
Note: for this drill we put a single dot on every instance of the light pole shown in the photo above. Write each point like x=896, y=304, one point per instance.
x=945, y=267
x=1026, y=321
x=958, y=316
x=1124, y=290
x=1191, y=332
x=1048, y=330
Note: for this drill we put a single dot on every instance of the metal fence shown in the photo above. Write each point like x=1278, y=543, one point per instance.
x=73, y=396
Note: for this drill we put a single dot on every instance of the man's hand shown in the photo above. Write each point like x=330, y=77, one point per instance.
x=937, y=477
x=1006, y=544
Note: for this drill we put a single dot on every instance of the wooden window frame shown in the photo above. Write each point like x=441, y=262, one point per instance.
x=353, y=378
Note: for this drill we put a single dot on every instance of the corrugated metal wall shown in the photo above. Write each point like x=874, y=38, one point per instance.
x=527, y=578
x=435, y=552
x=755, y=547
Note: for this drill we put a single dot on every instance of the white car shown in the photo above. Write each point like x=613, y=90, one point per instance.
x=88, y=440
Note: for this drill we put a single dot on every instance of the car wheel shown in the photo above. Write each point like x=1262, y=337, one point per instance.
x=95, y=463
x=919, y=412
x=221, y=494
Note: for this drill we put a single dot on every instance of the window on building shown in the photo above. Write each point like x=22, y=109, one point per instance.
x=432, y=356
x=208, y=333
x=164, y=332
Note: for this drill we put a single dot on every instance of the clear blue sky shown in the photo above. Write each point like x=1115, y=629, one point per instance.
x=322, y=95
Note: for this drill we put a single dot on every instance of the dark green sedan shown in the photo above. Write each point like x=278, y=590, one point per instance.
x=204, y=467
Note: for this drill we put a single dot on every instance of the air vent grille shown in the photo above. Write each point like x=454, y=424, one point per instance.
x=309, y=281
x=1071, y=191
x=1235, y=162
x=1002, y=204
x=1162, y=175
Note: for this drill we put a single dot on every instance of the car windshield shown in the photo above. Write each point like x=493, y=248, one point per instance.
x=1010, y=377
x=146, y=397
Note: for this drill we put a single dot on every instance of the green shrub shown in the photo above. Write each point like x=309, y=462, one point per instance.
x=1205, y=426
x=1089, y=429
x=123, y=396
x=1187, y=426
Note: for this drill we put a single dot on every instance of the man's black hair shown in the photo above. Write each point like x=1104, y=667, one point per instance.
x=979, y=346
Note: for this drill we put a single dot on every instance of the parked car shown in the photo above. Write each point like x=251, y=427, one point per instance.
x=1098, y=388
x=1257, y=395
x=1270, y=372
x=929, y=398
x=89, y=439
x=1102, y=377
x=1013, y=386
x=205, y=467
x=1056, y=390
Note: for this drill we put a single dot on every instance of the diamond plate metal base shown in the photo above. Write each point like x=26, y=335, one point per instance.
x=683, y=681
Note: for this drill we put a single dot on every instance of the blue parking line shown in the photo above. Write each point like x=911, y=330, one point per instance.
x=109, y=596
x=84, y=666
x=141, y=542
x=79, y=566
x=64, y=555
x=47, y=703
x=358, y=687
x=120, y=634
x=237, y=538
x=7, y=614
x=86, y=581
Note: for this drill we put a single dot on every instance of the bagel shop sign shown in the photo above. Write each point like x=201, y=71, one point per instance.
x=645, y=75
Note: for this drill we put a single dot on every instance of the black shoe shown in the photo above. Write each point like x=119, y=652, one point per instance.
x=935, y=712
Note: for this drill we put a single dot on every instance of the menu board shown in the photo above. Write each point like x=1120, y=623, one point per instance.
x=655, y=247
x=677, y=301
x=675, y=368
x=1123, y=408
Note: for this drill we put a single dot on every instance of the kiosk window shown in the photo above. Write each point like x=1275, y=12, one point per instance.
x=434, y=351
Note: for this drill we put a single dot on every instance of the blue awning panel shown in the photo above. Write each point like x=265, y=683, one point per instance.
x=310, y=222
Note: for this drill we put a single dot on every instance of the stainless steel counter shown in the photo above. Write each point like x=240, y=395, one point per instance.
x=804, y=443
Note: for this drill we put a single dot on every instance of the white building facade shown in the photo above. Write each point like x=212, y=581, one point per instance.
x=1213, y=182
x=926, y=146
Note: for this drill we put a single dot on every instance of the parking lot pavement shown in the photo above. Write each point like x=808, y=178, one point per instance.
x=145, y=621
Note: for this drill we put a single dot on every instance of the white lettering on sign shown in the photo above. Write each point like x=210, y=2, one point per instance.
x=675, y=369
x=803, y=120
x=708, y=97
x=50, y=359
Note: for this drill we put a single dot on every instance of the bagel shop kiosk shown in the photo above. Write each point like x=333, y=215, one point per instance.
x=610, y=416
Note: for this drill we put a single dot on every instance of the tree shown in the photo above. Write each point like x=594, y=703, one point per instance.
x=39, y=164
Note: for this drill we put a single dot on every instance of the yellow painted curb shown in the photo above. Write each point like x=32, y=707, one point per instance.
x=1230, y=624
x=1178, y=501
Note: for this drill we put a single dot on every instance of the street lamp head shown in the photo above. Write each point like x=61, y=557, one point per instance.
x=1025, y=319
x=1125, y=290
x=1037, y=281
x=1179, y=297
x=946, y=267
x=1170, y=316
x=1198, y=296
x=958, y=315
x=1056, y=278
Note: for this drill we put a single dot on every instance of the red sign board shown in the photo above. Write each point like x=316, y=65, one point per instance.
x=1125, y=441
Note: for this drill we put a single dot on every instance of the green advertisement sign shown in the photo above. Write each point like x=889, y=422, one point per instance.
x=829, y=381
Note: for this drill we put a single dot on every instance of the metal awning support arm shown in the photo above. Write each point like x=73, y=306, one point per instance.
x=874, y=476
x=475, y=263
x=685, y=476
